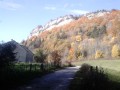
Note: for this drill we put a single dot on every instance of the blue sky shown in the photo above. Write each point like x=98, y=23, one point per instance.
x=19, y=17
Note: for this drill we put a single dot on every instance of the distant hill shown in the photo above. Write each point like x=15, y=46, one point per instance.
x=89, y=36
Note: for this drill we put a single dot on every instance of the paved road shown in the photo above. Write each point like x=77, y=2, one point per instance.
x=59, y=80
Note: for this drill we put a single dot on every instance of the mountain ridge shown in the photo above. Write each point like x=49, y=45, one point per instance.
x=60, y=21
x=52, y=24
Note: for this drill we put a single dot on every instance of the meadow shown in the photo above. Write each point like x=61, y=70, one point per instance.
x=109, y=68
x=106, y=64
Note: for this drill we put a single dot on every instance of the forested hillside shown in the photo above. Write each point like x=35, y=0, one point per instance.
x=95, y=35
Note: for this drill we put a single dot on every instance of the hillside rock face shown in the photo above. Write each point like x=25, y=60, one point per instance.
x=36, y=31
x=52, y=24
x=98, y=13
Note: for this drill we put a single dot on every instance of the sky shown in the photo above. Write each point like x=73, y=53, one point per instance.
x=19, y=17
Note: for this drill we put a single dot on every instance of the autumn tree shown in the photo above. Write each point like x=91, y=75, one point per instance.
x=71, y=54
x=115, y=51
x=56, y=57
x=40, y=56
x=61, y=35
x=78, y=54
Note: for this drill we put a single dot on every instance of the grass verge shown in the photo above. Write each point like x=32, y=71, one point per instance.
x=21, y=74
x=94, y=78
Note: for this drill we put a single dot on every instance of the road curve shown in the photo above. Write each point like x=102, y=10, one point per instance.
x=59, y=80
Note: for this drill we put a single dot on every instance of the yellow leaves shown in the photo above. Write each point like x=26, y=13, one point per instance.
x=80, y=47
x=115, y=51
x=70, y=57
x=99, y=54
x=71, y=54
x=72, y=44
x=78, y=38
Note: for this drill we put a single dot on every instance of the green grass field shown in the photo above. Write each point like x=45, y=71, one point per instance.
x=111, y=69
x=109, y=64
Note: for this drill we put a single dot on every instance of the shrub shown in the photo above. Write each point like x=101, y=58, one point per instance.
x=89, y=78
x=81, y=54
x=78, y=54
x=99, y=54
x=115, y=51
x=84, y=68
x=84, y=53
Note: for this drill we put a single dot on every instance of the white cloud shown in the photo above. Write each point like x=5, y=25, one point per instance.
x=10, y=5
x=76, y=11
x=50, y=8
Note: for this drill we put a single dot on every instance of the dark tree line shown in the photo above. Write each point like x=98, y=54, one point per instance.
x=7, y=55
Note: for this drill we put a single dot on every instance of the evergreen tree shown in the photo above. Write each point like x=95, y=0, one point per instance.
x=7, y=56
